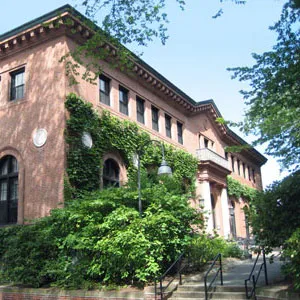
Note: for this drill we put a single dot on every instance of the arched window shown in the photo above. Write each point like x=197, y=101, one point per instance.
x=8, y=190
x=111, y=173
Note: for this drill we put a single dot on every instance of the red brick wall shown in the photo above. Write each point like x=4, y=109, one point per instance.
x=5, y=295
x=41, y=169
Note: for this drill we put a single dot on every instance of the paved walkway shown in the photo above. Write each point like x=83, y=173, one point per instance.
x=236, y=272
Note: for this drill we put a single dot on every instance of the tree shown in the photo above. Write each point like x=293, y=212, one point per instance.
x=274, y=214
x=274, y=96
x=121, y=23
x=274, y=218
x=134, y=21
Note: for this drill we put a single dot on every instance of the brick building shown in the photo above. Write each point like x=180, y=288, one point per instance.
x=33, y=87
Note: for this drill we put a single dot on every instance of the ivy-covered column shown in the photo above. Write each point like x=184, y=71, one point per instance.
x=203, y=191
x=225, y=213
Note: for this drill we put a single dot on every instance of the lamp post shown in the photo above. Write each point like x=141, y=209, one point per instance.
x=164, y=169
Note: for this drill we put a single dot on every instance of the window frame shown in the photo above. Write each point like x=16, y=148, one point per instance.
x=123, y=100
x=155, y=118
x=108, y=180
x=140, y=113
x=168, y=125
x=239, y=167
x=253, y=175
x=244, y=169
x=104, y=94
x=14, y=88
x=180, y=132
x=9, y=206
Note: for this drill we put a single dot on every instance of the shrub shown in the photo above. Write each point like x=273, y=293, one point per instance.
x=100, y=238
x=204, y=248
x=292, y=254
x=232, y=249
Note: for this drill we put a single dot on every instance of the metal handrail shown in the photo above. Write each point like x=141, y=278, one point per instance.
x=162, y=277
x=255, y=278
x=218, y=257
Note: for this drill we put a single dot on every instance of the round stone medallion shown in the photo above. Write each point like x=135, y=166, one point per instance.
x=40, y=137
x=87, y=139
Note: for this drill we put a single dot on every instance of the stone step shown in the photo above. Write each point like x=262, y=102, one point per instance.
x=218, y=288
x=212, y=295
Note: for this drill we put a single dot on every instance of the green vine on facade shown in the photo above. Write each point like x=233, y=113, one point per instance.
x=239, y=190
x=110, y=134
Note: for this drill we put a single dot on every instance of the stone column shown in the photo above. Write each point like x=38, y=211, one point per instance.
x=201, y=141
x=203, y=192
x=247, y=174
x=225, y=213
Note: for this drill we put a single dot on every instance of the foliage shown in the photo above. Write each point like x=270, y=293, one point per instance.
x=121, y=23
x=238, y=190
x=274, y=98
x=111, y=134
x=204, y=248
x=292, y=254
x=137, y=21
x=274, y=214
x=133, y=21
x=99, y=239
x=232, y=249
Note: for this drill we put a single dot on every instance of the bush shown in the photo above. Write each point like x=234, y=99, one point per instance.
x=204, y=248
x=232, y=249
x=292, y=254
x=100, y=238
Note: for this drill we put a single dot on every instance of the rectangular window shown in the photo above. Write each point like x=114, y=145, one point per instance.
x=205, y=143
x=123, y=100
x=239, y=166
x=17, y=85
x=179, y=133
x=232, y=163
x=140, y=110
x=154, y=118
x=168, y=125
x=104, y=84
x=253, y=175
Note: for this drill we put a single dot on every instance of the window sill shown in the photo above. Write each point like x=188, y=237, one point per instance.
x=13, y=103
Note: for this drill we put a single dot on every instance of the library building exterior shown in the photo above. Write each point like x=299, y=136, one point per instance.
x=33, y=88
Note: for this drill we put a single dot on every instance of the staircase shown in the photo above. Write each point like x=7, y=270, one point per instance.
x=197, y=291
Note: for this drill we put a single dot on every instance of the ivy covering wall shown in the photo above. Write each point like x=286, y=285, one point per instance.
x=112, y=134
x=239, y=190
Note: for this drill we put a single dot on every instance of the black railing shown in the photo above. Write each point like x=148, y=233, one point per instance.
x=220, y=270
x=176, y=268
x=254, y=279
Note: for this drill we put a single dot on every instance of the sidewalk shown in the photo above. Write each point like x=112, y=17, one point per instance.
x=236, y=272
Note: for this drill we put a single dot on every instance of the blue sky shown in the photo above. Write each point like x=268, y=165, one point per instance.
x=198, y=51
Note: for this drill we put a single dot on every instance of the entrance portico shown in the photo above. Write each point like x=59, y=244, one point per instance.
x=212, y=191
